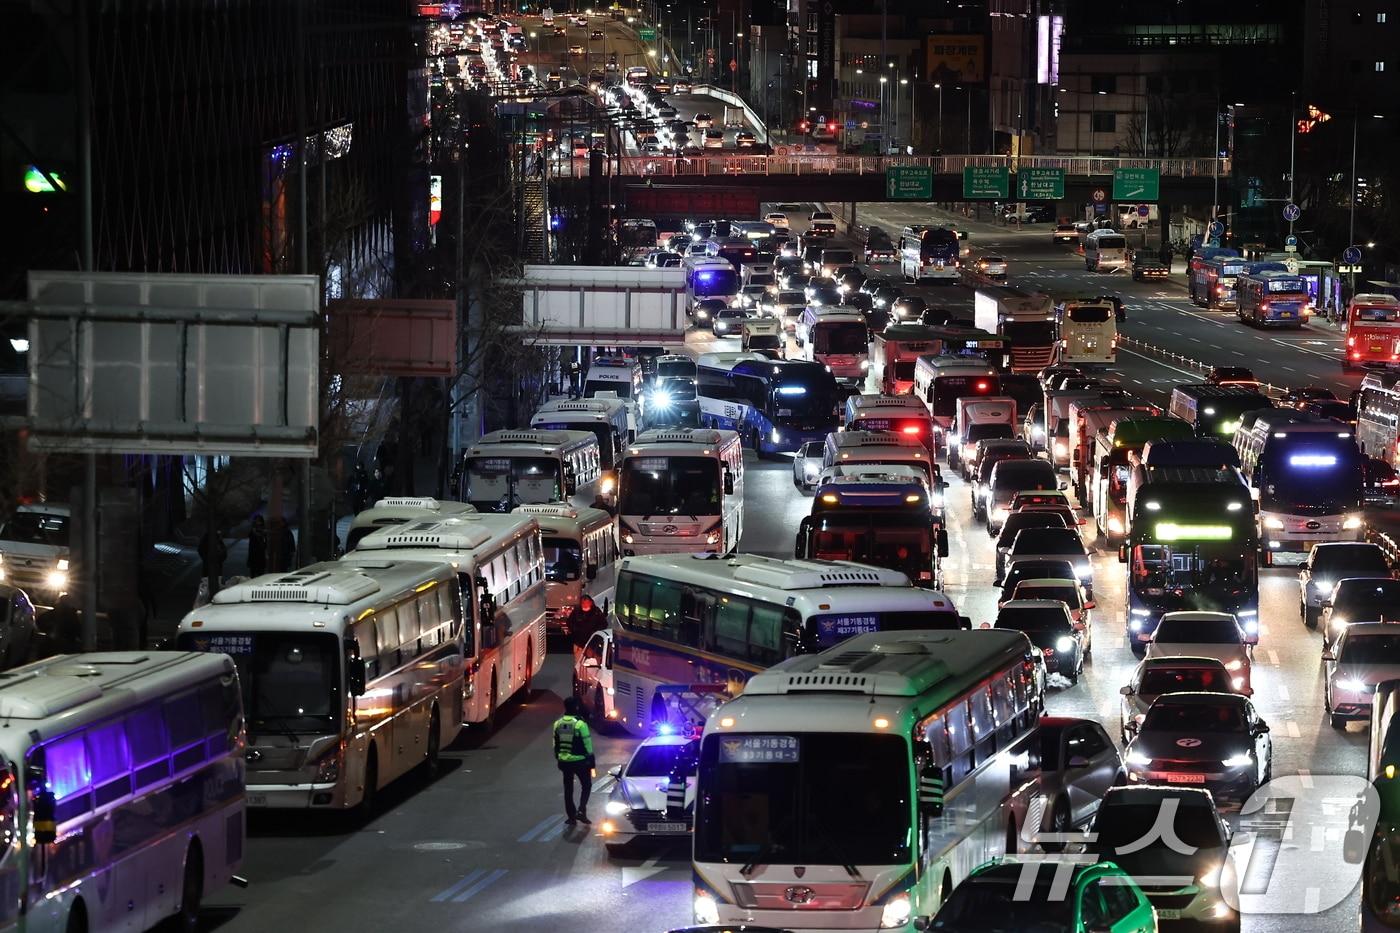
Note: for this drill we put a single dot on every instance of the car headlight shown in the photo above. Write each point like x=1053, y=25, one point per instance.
x=1351, y=685
x=712, y=538
x=1211, y=878
x=1238, y=761
x=1351, y=523
x=661, y=399
x=1083, y=571
x=999, y=515
x=1137, y=759
x=897, y=912
x=1064, y=644
x=1338, y=623
x=864, y=365
x=1115, y=525
x=616, y=808
x=775, y=436
x=1275, y=524
x=1234, y=665
x=607, y=484
x=1324, y=588
x=702, y=314
x=56, y=579
x=1038, y=433
x=706, y=909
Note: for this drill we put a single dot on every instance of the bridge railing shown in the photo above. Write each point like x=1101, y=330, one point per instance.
x=819, y=163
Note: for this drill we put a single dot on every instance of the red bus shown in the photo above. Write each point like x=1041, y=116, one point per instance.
x=1373, y=331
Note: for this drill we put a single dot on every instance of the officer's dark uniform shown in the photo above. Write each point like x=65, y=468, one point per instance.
x=573, y=750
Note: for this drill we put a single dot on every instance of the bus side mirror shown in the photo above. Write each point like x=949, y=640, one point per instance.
x=942, y=542
x=355, y=676
x=1122, y=553
x=931, y=792
x=45, y=809
x=728, y=482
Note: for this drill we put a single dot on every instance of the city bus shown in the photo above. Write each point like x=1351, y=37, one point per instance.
x=1378, y=417
x=504, y=469
x=900, y=414
x=1306, y=475
x=885, y=448
x=1202, y=274
x=351, y=675
x=122, y=800
x=878, y=519
x=1267, y=298
x=580, y=557
x=395, y=511
x=606, y=418
x=1088, y=333
x=875, y=775
x=972, y=343
x=1212, y=280
x=636, y=236
x=498, y=567
x=776, y=406
x=894, y=352
x=709, y=277
x=929, y=253
x=682, y=621
x=1192, y=544
x=682, y=492
x=1373, y=331
x=1116, y=451
x=838, y=338
x=1215, y=410
x=941, y=380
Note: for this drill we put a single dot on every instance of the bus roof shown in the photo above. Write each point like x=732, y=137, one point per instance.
x=863, y=404
x=422, y=540
x=328, y=583
x=730, y=359
x=1196, y=452
x=563, y=518
x=773, y=573
x=597, y=406
x=847, y=440
x=530, y=441
x=951, y=365
x=71, y=688
x=1202, y=390
x=907, y=332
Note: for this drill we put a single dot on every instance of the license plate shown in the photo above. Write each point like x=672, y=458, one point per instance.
x=256, y=800
x=1168, y=914
x=1288, y=314
x=1175, y=778
x=666, y=827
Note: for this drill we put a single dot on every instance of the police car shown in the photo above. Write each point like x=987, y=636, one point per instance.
x=654, y=797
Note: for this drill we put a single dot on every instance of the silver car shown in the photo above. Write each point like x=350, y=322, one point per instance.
x=1365, y=655
x=638, y=807
x=1074, y=763
x=807, y=465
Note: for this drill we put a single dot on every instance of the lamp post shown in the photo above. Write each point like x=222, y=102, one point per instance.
x=939, y=86
x=884, y=122
x=903, y=82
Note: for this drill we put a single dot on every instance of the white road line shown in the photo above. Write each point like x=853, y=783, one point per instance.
x=1291, y=727
x=1283, y=695
x=1305, y=777
x=1194, y=377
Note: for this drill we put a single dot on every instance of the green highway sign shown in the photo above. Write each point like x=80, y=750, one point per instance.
x=984, y=181
x=1040, y=184
x=646, y=35
x=1136, y=184
x=909, y=183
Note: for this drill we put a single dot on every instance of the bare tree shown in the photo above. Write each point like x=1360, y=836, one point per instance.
x=1175, y=128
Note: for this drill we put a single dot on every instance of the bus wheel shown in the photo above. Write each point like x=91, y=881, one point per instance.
x=77, y=918
x=186, y=918
x=367, y=799
x=490, y=721
x=434, y=750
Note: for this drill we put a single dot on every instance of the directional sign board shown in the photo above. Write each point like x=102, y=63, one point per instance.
x=986, y=181
x=646, y=35
x=1291, y=212
x=1040, y=184
x=1136, y=184
x=909, y=183
x=1352, y=254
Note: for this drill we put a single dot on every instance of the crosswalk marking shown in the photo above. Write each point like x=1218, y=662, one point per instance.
x=542, y=826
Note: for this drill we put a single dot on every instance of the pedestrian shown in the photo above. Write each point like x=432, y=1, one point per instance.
x=286, y=546
x=573, y=752
x=212, y=554
x=539, y=165
x=257, y=547
x=65, y=626
x=586, y=619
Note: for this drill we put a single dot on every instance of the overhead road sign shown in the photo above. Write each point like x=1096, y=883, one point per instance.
x=986, y=181
x=1040, y=184
x=646, y=35
x=1136, y=184
x=909, y=183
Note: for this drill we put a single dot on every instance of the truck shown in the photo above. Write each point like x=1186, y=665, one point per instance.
x=894, y=352
x=1117, y=450
x=1025, y=318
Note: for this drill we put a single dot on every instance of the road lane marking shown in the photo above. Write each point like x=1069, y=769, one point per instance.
x=642, y=872
x=1283, y=694
x=1305, y=777
x=480, y=886
x=1142, y=356
x=540, y=827
x=447, y=894
x=1273, y=657
x=1291, y=727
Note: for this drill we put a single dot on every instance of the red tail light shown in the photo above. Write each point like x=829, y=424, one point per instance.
x=910, y=429
x=982, y=386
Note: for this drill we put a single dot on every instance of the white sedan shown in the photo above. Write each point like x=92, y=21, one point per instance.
x=778, y=219
x=639, y=806
x=1205, y=635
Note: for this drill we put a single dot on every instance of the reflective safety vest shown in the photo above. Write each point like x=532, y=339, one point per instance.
x=572, y=740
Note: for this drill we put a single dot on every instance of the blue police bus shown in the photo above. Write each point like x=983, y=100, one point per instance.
x=774, y=405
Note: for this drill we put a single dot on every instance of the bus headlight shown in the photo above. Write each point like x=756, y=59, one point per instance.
x=706, y=910
x=897, y=912
x=1061, y=449
x=1351, y=685
x=1273, y=524
x=1351, y=523
x=712, y=538
x=1137, y=759
x=57, y=579
x=607, y=484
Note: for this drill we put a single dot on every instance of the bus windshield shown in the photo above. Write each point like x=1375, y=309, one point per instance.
x=841, y=337
x=36, y=528
x=499, y=484
x=592, y=387
x=563, y=559
x=670, y=486
x=714, y=281
x=1216, y=572
x=806, y=799
x=290, y=681
x=793, y=400
x=904, y=370
x=1309, y=478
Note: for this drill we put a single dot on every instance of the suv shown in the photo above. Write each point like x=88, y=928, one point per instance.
x=1065, y=233
x=1329, y=562
x=34, y=551
x=1009, y=477
x=1095, y=897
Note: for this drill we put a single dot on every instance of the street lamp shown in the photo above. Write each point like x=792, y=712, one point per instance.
x=939, y=86
x=884, y=120
x=903, y=82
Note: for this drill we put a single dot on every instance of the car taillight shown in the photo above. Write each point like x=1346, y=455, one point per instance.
x=910, y=429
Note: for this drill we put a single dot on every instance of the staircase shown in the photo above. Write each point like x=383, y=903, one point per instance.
x=535, y=220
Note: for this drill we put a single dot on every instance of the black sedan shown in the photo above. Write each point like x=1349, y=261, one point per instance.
x=1212, y=740
x=1047, y=623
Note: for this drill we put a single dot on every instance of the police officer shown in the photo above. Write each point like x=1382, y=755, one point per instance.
x=573, y=750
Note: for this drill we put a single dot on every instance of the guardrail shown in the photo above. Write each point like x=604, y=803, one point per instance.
x=820, y=163
x=1179, y=359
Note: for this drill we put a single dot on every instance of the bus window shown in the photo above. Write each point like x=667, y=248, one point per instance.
x=148, y=745
x=111, y=762
x=960, y=739
x=68, y=775
x=731, y=632
x=766, y=634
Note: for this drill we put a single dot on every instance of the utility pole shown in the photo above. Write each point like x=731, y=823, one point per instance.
x=1292, y=147
x=884, y=60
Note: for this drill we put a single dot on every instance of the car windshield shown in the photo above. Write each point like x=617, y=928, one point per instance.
x=1068, y=595
x=805, y=799
x=1360, y=600
x=985, y=431
x=1168, y=716
x=845, y=337
x=670, y=486
x=1131, y=835
x=657, y=761
x=1382, y=649
x=499, y=484
x=1034, y=620
x=36, y=528
x=1159, y=680
x=1199, y=631
x=563, y=559
x=290, y=681
x=1000, y=905
x=1349, y=560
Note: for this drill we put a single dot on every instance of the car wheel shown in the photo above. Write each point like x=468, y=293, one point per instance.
x=1074, y=674
x=1059, y=827
x=1337, y=722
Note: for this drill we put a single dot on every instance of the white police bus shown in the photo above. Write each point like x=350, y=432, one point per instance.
x=505, y=469
x=682, y=491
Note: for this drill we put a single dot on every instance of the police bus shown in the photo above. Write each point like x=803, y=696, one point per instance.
x=682, y=491
x=775, y=406
x=929, y=253
x=498, y=567
x=875, y=775
x=941, y=380
x=884, y=448
x=122, y=796
x=683, y=620
x=396, y=510
x=1201, y=274
x=901, y=414
x=1215, y=410
x=580, y=557
x=1306, y=475
x=351, y=676
x=606, y=418
x=884, y=520
x=1267, y=298
x=504, y=469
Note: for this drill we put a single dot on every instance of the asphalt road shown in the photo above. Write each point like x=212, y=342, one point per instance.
x=483, y=847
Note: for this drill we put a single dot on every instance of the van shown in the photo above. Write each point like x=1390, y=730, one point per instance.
x=759, y=273
x=1105, y=250
x=976, y=418
x=763, y=333
x=833, y=257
